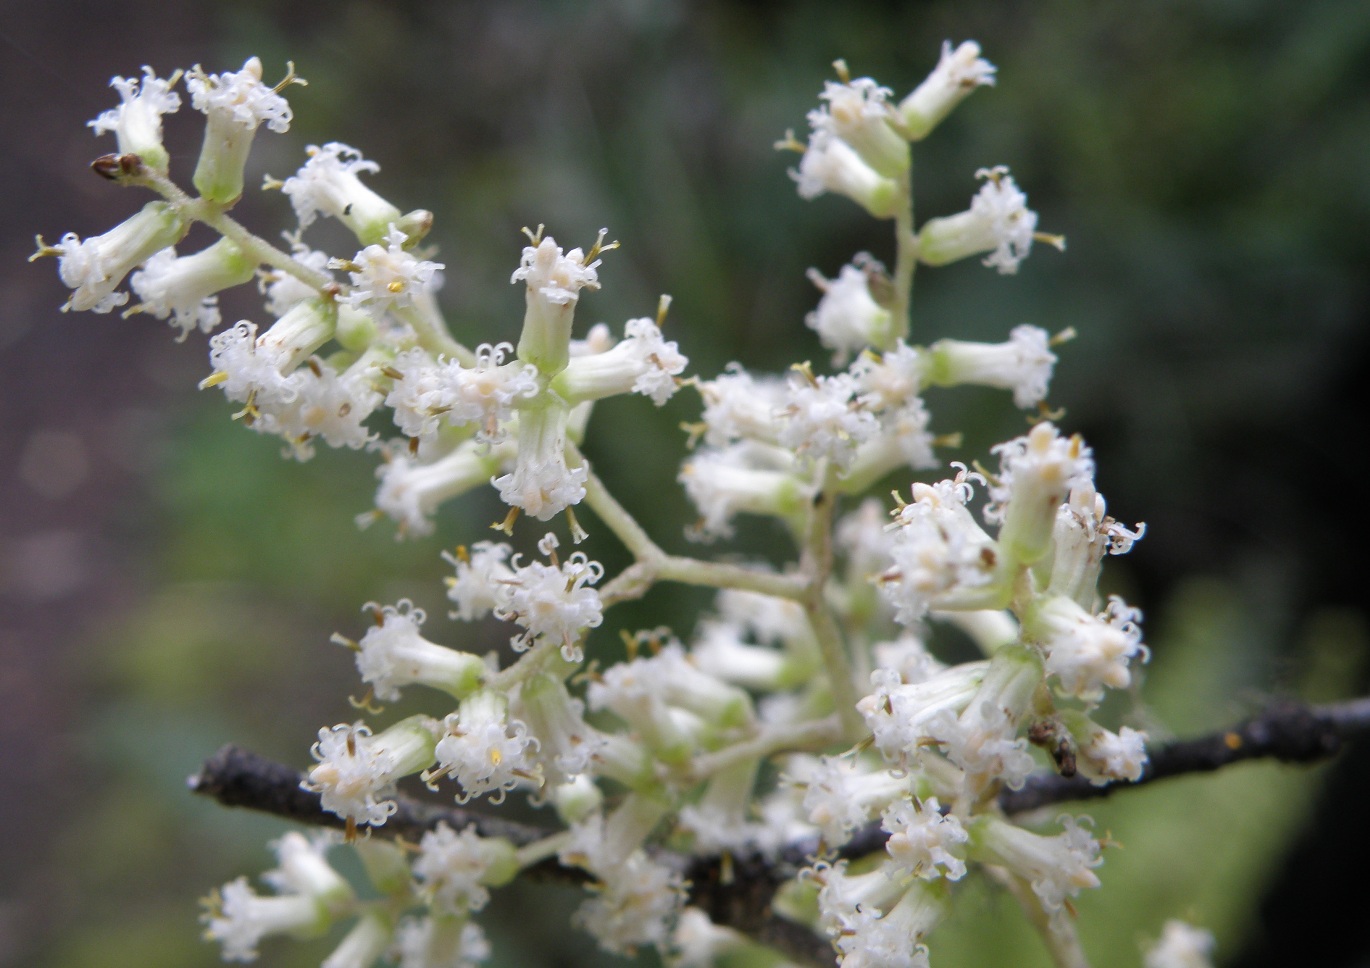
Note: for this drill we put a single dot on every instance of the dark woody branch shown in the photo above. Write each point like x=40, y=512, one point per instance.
x=1287, y=731
x=736, y=894
x=737, y=891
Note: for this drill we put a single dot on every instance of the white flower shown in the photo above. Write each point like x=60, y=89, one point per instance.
x=1181, y=946
x=875, y=920
x=482, y=574
x=137, y=121
x=488, y=393
x=784, y=654
x=411, y=490
x=868, y=941
x=1107, y=756
x=984, y=743
x=858, y=112
x=823, y=420
x=421, y=393
x=892, y=379
x=245, y=368
x=739, y=406
x=843, y=897
x=238, y=918
x=392, y=654
x=998, y=222
x=941, y=558
x=451, y=866
x=552, y=601
x=555, y=276
x=719, y=651
x=841, y=793
x=958, y=73
x=356, y=772
x=329, y=405
x=185, y=287
x=642, y=363
x=1083, y=534
x=922, y=839
x=1002, y=208
x=328, y=184
x=767, y=619
x=1023, y=364
x=484, y=750
x=651, y=691
x=303, y=868
x=283, y=290
x=554, y=280
x=567, y=744
x=93, y=268
x=1036, y=474
x=900, y=715
x=848, y=318
x=389, y=277
x=542, y=483
x=1087, y=653
x=310, y=893
x=438, y=942
x=830, y=164
x=239, y=96
x=234, y=105
x=635, y=904
x=982, y=740
x=1057, y=867
x=742, y=478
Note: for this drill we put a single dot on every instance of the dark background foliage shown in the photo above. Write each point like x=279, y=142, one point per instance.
x=168, y=584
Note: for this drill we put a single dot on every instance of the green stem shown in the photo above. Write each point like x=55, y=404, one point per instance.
x=717, y=574
x=540, y=850
x=615, y=515
x=653, y=564
x=215, y=216
x=815, y=735
x=905, y=262
x=815, y=564
x=1058, y=934
x=424, y=317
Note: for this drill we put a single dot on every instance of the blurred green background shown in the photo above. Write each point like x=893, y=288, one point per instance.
x=169, y=584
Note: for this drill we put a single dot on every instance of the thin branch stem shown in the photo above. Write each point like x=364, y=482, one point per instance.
x=807, y=737
x=202, y=210
x=1058, y=934
x=654, y=565
x=905, y=262
x=816, y=567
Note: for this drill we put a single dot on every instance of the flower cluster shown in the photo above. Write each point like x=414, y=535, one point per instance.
x=807, y=705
